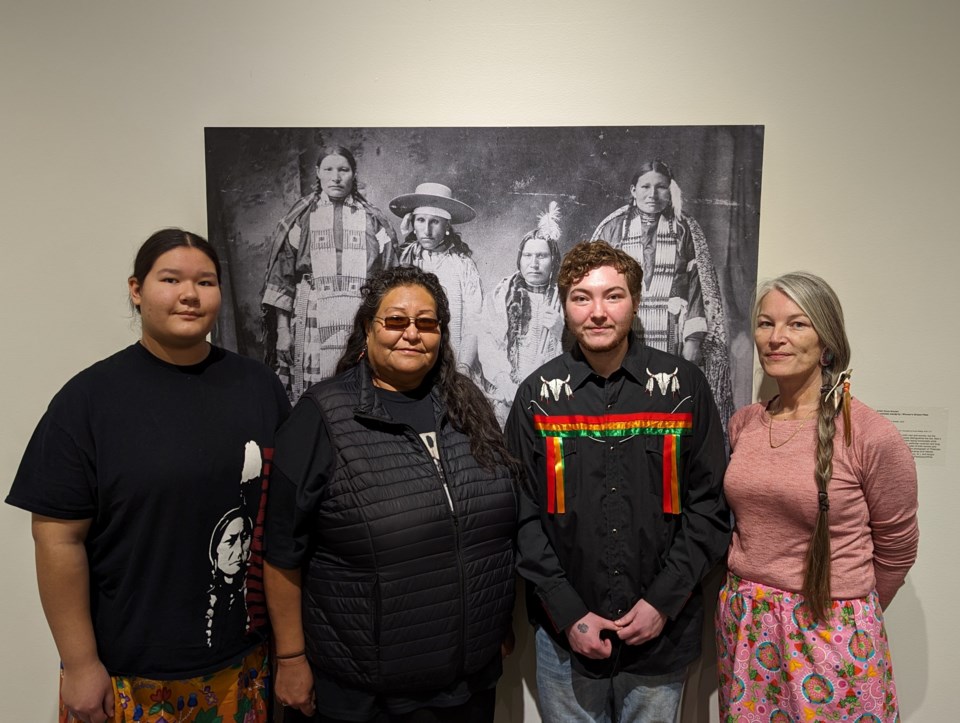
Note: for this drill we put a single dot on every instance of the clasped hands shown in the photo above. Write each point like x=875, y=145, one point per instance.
x=641, y=623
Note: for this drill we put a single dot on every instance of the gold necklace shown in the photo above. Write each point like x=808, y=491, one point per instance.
x=795, y=432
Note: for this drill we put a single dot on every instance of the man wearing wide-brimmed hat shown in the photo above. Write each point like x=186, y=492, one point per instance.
x=432, y=244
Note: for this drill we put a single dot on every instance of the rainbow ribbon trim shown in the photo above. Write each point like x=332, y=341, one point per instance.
x=669, y=426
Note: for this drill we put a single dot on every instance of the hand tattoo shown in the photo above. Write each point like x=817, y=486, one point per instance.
x=583, y=628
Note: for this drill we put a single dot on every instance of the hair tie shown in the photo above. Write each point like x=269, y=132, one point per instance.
x=824, y=501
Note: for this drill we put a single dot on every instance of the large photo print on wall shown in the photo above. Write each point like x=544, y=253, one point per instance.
x=302, y=216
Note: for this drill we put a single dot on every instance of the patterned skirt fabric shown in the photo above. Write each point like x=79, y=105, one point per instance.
x=238, y=694
x=777, y=665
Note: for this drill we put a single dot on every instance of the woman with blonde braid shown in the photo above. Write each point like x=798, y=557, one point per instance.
x=800, y=623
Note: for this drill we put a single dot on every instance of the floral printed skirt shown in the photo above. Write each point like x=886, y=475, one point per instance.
x=238, y=694
x=777, y=665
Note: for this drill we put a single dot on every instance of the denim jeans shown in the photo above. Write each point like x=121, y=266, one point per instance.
x=569, y=697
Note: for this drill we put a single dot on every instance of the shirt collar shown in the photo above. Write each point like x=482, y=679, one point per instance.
x=633, y=364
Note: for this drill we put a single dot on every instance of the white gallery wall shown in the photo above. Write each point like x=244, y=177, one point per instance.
x=102, y=110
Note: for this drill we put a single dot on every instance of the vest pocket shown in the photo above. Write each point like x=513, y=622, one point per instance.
x=341, y=611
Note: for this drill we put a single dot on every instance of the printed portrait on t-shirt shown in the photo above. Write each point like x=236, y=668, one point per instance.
x=229, y=552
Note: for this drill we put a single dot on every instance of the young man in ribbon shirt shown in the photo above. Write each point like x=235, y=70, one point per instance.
x=622, y=512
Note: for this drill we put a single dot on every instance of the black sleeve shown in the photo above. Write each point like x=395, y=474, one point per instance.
x=303, y=461
x=58, y=475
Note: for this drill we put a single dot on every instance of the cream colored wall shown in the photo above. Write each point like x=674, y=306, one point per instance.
x=104, y=105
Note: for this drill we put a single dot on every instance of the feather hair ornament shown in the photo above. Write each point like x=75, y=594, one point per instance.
x=676, y=199
x=839, y=396
x=548, y=224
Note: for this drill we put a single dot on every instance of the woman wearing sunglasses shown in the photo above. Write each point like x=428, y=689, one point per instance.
x=390, y=525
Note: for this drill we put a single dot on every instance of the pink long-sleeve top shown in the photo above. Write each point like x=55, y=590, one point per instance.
x=773, y=494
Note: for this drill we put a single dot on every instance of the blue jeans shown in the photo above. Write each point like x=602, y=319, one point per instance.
x=568, y=697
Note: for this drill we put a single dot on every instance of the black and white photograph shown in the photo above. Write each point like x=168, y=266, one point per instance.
x=302, y=216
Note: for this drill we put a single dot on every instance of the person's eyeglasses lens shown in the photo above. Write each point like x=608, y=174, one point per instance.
x=400, y=323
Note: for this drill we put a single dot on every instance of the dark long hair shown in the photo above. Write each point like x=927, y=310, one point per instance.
x=820, y=304
x=518, y=298
x=671, y=212
x=345, y=153
x=355, y=190
x=654, y=166
x=167, y=239
x=465, y=405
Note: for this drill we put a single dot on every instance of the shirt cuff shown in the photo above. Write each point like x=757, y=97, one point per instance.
x=563, y=605
x=697, y=324
x=668, y=594
x=277, y=298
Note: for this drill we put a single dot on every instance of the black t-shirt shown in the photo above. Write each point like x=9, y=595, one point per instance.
x=168, y=463
x=415, y=408
x=297, y=484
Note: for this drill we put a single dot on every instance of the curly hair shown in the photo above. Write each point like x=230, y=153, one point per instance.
x=821, y=305
x=467, y=408
x=589, y=255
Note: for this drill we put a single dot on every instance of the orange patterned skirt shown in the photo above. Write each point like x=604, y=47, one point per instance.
x=239, y=693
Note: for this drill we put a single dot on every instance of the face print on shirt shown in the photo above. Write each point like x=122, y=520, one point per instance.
x=228, y=553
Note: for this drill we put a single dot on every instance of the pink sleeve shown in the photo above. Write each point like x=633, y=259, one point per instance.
x=736, y=424
x=889, y=479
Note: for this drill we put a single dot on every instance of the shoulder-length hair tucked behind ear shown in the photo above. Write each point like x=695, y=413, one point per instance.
x=167, y=239
x=466, y=406
x=820, y=304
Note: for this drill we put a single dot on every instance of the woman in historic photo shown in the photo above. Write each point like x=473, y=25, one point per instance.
x=523, y=316
x=390, y=528
x=144, y=477
x=824, y=496
x=433, y=244
x=681, y=311
x=323, y=250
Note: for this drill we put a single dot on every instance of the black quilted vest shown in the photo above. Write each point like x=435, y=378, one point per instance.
x=402, y=593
